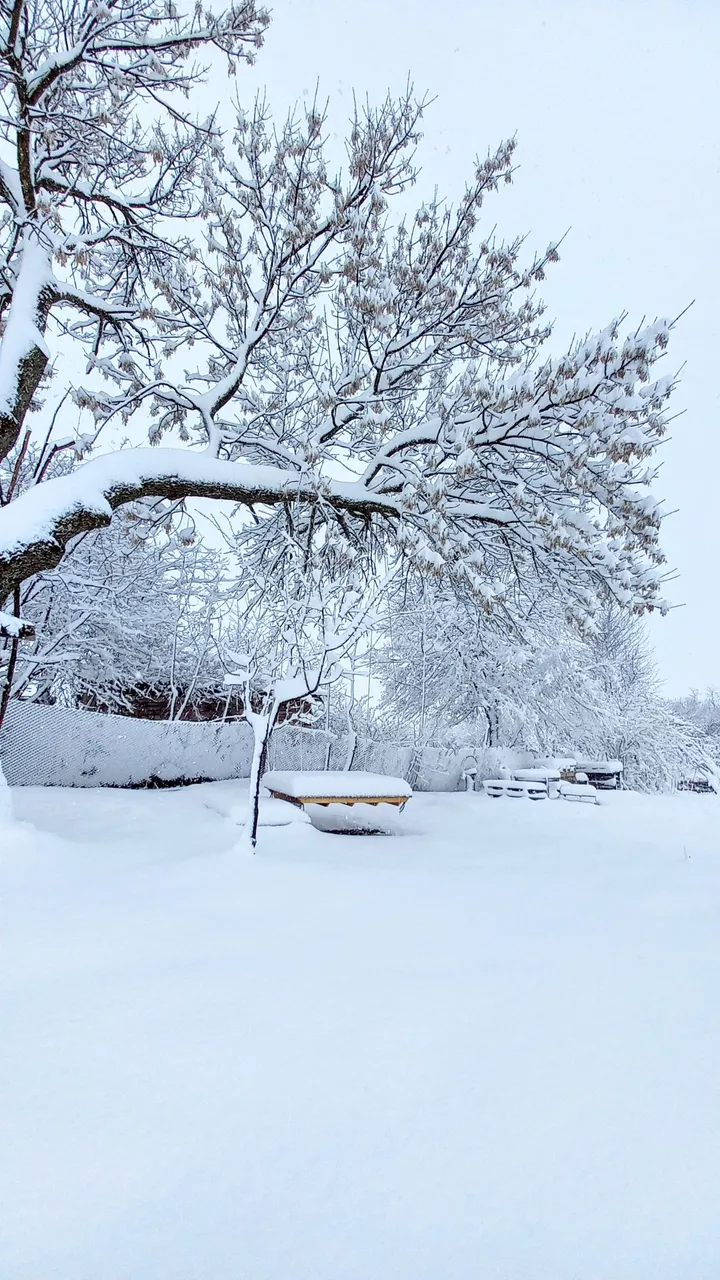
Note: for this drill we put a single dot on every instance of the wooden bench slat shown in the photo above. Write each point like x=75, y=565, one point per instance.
x=348, y=800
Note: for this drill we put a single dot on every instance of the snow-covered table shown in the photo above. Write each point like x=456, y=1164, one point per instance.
x=537, y=775
x=546, y=778
x=605, y=774
x=336, y=788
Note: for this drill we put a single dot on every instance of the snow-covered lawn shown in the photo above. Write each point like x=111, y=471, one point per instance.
x=487, y=1048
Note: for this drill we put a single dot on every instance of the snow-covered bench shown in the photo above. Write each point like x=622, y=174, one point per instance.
x=538, y=783
x=533, y=788
x=336, y=788
x=579, y=790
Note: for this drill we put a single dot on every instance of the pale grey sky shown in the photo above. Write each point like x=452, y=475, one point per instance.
x=616, y=105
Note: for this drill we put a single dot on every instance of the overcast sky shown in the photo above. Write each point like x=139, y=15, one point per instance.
x=616, y=107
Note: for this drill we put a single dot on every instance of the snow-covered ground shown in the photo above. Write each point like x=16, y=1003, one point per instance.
x=486, y=1048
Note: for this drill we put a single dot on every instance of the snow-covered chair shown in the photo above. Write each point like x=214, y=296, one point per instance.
x=468, y=772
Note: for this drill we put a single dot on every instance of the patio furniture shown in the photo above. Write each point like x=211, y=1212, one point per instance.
x=538, y=773
x=606, y=775
x=534, y=789
x=338, y=787
x=578, y=790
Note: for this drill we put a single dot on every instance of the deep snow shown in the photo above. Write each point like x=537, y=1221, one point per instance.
x=484, y=1049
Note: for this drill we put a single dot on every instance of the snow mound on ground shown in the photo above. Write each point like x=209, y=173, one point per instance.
x=6, y=814
x=9, y=827
x=273, y=813
x=356, y=820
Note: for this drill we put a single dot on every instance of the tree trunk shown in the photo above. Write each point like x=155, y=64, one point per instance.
x=10, y=673
x=23, y=353
x=351, y=742
x=328, y=748
x=352, y=734
x=6, y=808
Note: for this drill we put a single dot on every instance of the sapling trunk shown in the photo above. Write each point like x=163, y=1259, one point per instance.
x=6, y=693
x=262, y=726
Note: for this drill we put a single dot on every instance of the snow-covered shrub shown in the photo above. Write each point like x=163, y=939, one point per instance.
x=534, y=687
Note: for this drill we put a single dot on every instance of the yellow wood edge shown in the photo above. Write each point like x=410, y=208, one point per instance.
x=348, y=800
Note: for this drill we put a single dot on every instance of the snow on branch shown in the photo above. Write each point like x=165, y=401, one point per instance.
x=12, y=628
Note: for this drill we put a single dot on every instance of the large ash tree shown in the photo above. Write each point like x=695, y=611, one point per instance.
x=283, y=340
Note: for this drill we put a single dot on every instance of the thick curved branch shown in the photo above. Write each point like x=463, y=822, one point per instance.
x=37, y=526
x=23, y=353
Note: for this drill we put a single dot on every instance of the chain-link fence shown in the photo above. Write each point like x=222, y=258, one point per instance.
x=58, y=746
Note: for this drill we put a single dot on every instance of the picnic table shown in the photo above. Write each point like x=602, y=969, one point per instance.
x=339, y=787
x=537, y=774
x=538, y=783
x=603, y=774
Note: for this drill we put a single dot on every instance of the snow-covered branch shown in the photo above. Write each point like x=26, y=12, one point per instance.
x=39, y=524
x=340, y=368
